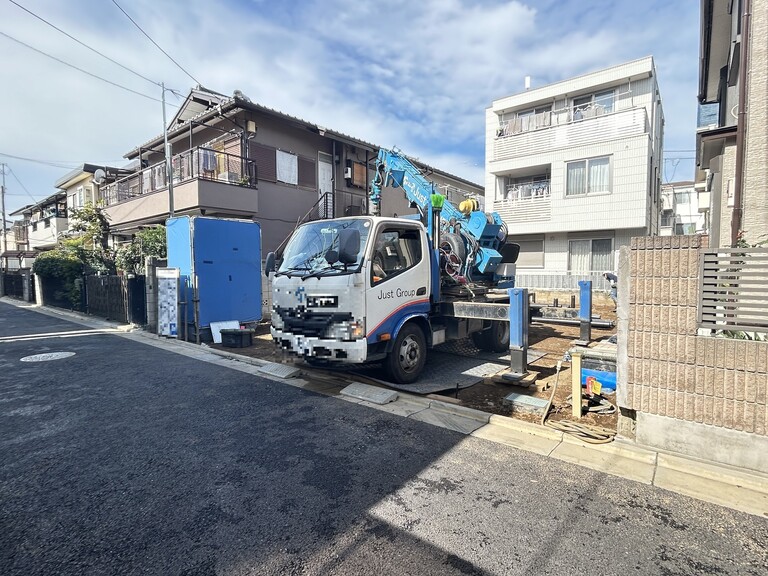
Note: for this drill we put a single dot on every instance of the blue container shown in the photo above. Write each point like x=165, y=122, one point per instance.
x=224, y=258
x=607, y=379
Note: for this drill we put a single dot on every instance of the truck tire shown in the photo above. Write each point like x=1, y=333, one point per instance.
x=405, y=362
x=493, y=339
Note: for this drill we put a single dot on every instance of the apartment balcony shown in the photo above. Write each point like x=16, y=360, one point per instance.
x=204, y=180
x=526, y=203
x=553, y=131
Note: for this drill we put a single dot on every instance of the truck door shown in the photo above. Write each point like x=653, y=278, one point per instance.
x=398, y=278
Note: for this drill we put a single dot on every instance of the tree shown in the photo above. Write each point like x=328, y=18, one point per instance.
x=91, y=246
x=147, y=242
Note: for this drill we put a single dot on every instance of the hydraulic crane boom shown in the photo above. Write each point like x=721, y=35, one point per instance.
x=483, y=234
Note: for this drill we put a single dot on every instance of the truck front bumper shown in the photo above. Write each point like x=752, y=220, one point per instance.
x=353, y=352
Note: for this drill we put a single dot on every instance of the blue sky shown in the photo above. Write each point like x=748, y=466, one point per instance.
x=417, y=75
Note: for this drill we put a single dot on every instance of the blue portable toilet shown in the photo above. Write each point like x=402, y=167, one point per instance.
x=219, y=262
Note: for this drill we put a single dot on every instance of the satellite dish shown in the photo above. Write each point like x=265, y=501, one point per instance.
x=99, y=176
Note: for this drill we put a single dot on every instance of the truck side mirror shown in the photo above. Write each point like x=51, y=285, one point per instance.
x=269, y=265
x=332, y=256
x=349, y=245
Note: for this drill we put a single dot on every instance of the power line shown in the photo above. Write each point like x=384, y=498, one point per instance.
x=155, y=43
x=60, y=61
x=84, y=44
x=56, y=163
x=22, y=185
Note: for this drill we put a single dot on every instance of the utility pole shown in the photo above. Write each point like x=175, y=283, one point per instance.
x=2, y=205
x=168, y=163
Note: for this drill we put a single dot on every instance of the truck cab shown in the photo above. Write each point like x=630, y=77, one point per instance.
x=356, y=290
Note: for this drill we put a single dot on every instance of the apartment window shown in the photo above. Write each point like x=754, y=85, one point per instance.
x=682, y=198
x=667, y=218
x=531, y=253
x=593, y=105
x=538, y=117
x=588, y=176
x=592, y=255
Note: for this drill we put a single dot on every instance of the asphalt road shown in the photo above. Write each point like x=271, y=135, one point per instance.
x=128, y=459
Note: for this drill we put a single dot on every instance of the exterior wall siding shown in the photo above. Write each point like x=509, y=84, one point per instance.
x=624, y=207
x=755, y=219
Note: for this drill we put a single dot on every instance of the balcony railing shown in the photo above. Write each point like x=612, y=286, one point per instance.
x=196, y=163
x=526, y=209
x=571, y=133
x=527, y=190
x=546, y=119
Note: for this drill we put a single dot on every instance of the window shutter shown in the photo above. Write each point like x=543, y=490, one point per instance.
x=359, y=174
x=307, y=172
x=265, y=158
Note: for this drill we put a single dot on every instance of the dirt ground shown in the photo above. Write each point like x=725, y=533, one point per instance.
x=488, y=396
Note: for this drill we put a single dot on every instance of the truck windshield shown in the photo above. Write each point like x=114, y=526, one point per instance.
x=308, y=247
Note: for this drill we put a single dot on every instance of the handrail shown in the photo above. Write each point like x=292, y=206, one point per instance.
x=320, y=201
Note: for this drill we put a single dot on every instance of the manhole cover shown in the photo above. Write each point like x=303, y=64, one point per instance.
x=47, y=356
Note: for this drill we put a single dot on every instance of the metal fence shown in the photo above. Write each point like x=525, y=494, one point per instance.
x=734, y=290
x=118, y=298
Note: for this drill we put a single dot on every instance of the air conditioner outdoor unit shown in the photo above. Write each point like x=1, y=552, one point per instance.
x=229, y=176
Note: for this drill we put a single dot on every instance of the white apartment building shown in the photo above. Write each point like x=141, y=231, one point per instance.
x=573, y=168
x=680, y=210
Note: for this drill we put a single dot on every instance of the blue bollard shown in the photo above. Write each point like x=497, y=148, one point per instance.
x=585, y=312
x=518, y=333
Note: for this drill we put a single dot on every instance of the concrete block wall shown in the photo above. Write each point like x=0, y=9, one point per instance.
x=674, y=372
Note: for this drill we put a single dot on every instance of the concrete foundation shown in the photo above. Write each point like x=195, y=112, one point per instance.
x=703, y=441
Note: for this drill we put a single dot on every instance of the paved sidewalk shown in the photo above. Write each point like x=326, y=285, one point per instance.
x=735, y=488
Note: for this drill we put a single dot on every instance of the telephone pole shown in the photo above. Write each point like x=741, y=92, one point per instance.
x=3, y=259
x=168, y=162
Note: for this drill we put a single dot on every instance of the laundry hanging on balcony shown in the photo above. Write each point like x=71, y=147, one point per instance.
x=208, y=160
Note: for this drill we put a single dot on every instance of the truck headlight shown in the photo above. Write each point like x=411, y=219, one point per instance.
x=277, y=321
x=346, y=331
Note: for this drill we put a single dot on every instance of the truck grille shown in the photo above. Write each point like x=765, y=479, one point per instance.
x=309, y=322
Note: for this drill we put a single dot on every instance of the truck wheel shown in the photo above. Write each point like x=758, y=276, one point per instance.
x=493, y=339
x=405, y=362
x=498, y=336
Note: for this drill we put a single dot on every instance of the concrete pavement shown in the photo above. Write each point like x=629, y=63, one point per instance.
x=739, y=489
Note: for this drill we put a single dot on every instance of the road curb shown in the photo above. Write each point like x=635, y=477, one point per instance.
x=716, y=472
x=525, y=427
x=462, y=411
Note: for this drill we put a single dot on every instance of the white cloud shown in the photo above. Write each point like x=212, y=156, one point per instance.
x=418, y=75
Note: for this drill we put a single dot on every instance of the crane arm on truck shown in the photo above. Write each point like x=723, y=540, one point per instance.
x=476, y=240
